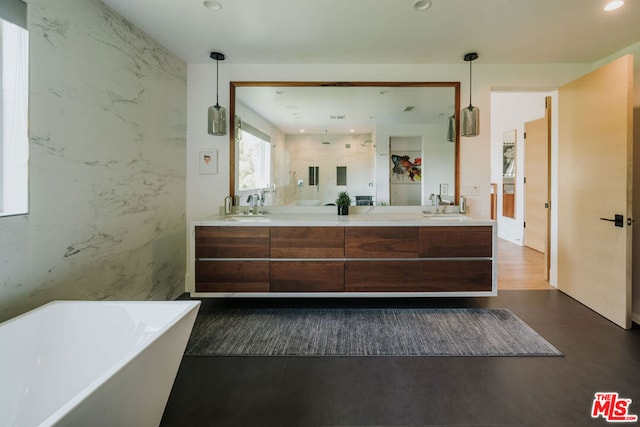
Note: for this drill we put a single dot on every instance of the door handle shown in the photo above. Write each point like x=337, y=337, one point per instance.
x=618, y=221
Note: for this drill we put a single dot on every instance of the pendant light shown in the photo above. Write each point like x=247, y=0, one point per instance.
x=326, y=139
x=217, y=119
x=451, y=128
x=470, y=114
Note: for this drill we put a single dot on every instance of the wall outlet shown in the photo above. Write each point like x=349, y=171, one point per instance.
x=469, y=189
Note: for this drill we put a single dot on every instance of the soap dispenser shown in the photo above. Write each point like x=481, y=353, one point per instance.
x=462, y=204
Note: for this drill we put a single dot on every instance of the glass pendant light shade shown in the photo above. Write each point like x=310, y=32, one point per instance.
x=451, y=129
x=470, y=121
x=217, y=117
x=470, y=117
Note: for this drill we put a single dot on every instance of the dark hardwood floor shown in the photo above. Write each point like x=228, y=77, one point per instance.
x=419, y=391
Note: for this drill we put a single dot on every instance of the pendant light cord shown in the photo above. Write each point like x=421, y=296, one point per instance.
x=470, y=83
x=217, y=78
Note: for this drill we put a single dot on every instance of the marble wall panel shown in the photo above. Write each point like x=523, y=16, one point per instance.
x=107, y=166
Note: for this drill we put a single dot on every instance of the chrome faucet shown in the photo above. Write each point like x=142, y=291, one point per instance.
x=254, y=201
x=435, y=201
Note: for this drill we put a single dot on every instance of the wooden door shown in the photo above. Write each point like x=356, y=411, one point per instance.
x=595, y=172
x=536, y=187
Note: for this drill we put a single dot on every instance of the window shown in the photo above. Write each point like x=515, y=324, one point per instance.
x=254, y=159
x=14, y=138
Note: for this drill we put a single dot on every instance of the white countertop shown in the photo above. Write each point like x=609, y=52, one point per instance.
x=351, y=220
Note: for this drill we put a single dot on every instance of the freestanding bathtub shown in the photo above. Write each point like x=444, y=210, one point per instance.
x=91, y=363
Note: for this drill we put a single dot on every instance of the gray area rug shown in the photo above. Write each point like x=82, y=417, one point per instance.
x=365, y=332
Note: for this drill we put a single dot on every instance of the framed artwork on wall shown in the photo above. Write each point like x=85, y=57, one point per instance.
x=208, y=161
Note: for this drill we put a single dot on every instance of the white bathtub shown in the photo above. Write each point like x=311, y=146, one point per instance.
x=90, y=363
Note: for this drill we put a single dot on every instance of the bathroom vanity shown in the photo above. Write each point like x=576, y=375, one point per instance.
x=323, y=254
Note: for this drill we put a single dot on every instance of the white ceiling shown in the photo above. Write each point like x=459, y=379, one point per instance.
x=386, y=31
x=343, y=110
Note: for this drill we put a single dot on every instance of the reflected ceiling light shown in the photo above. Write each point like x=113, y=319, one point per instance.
x=212, y=5
x=217, y=120
x=422, y=4
x=613, y=5
x=470, y=114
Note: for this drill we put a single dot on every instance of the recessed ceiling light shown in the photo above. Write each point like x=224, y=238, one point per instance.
x=422, y=4
x=301, y=130
x=613, y=5
x=212, y=4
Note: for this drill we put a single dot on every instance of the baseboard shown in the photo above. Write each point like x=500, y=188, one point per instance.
x=189, y=283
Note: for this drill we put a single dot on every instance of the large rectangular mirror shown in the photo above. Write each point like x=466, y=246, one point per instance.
x=343, y=124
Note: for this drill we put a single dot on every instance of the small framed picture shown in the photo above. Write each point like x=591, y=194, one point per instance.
x=208, y=161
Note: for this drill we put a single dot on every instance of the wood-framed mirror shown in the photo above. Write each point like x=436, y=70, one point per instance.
x=340, y=126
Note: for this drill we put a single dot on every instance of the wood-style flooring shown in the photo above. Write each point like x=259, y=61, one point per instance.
x=520, y=267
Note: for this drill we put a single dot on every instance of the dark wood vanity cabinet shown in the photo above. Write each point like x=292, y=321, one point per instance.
x=430, y=259
x=456, y=261
x=455, y=276
x=232, y=276
x=452, y=242
x=381, y=276
x=232, y=242
x=307, y=242
x=322, y=269
x=219, y=253
x=381, y=242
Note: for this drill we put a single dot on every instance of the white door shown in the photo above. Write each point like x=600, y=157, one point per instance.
x=595, y=143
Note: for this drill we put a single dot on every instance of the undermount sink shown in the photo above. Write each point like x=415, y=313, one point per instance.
x=447, y=217
x=248, y=218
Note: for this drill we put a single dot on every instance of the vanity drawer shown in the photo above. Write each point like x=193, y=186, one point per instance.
x=381, y=242
x=307, y=276
x=307, y=242
x=232, y=242
x=381, y=276
x=232, y=276
x=454, y=241
x=455, y=276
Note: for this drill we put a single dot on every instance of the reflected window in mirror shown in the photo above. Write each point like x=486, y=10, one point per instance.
x=254, y=159
x=14, y=138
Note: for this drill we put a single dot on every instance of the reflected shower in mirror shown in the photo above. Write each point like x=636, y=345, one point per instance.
x=344, y=130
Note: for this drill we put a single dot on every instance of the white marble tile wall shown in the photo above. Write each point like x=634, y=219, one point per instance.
x=107, y=167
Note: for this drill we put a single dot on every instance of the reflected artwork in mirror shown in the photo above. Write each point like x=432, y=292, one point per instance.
x=344, y=129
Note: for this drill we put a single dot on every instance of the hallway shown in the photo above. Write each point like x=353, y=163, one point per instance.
x=520, y=268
